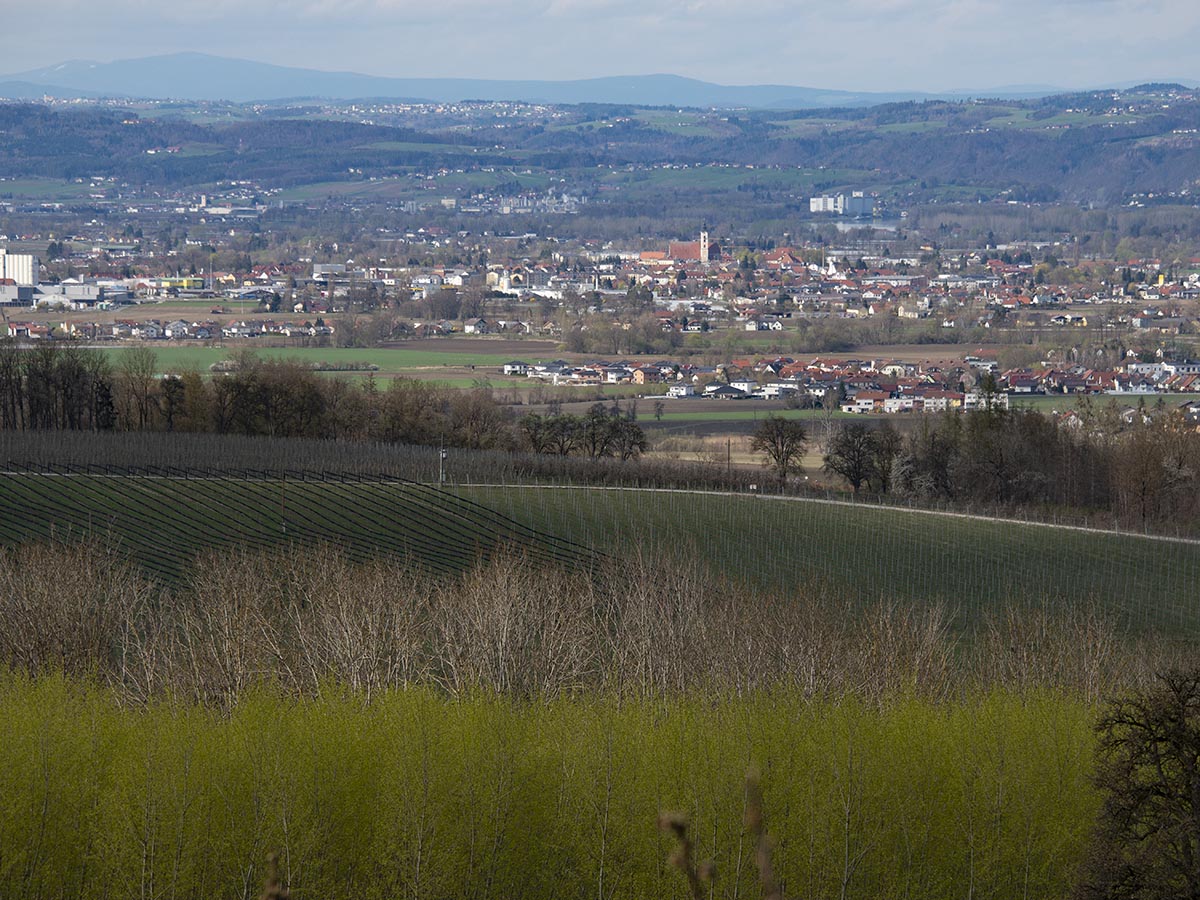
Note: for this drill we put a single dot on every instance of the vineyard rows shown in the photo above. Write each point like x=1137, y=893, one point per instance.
x=165, y=520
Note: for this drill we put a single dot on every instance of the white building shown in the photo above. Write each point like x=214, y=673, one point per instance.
x=979, y=400
x=323, y=271
x=777, y=390
x=22, y=268
x=857, y=204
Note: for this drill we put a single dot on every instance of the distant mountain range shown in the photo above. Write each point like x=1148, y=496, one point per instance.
x=199, y=76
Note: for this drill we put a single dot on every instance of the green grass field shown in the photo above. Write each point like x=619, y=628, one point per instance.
x=1024, y=119
x=912, y=127
x=687, y=122
x=419, y=147
x=391, y=360
x=1065, y=402
x=397, y=188
x=46, y=189
x=730, y=177
x=195, y=148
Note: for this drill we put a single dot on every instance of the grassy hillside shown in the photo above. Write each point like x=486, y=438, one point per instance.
x=864, y=552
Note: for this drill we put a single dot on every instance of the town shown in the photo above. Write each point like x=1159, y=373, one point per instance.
x=730, y=322
x=467, y=468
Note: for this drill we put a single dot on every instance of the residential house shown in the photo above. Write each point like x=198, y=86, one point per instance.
x=865, y=402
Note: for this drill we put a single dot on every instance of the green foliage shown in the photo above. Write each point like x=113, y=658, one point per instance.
x=416, y=795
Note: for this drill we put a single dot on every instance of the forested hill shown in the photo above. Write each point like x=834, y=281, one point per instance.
x=1099, y=147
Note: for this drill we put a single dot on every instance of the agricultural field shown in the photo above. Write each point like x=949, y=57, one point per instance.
x=869, y=552
x=1062, y=403
x=678, y=412
x=408, y=187
x=912, y=127
x=376, y=678
x=165, y=522
x=389, y=360
x=46, y=189
x=419, y=147
x=1025, y=119
x=715, y=177
x=689, y=123
x=861, y=552
x=807, y=128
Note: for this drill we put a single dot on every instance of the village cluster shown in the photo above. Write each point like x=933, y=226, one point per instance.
x=882, y=386
x=440, y=283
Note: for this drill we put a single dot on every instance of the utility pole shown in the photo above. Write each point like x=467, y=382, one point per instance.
x=442, y=463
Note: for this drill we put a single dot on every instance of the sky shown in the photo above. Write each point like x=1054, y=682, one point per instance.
x=875, y=45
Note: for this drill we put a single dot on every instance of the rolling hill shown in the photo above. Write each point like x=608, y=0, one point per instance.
x=864, y=553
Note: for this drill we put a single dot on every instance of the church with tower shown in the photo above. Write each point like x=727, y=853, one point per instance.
x=700, y=251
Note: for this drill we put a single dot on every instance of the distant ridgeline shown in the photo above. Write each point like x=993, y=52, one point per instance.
x=1078, y=148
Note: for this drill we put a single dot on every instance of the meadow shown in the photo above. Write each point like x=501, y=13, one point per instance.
x=1063, y=403
x=47, y=189
x=684, y=411
x=718, y=177
x=390, y=360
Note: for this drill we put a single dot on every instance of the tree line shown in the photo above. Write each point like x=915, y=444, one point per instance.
x=65, y=388
x=1136, y=468
x=643, y=624
x=601, y=431
x=418, y=796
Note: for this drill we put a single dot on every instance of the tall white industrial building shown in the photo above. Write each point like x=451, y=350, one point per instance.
x=857, y=204
x=22, y=268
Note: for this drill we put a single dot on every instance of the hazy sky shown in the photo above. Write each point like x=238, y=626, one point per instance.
x=853, y=44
